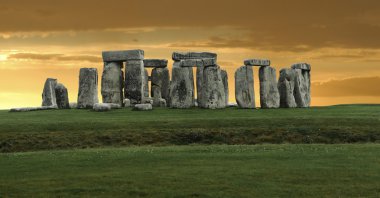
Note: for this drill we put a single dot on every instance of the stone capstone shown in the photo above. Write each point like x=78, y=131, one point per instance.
x=177, y=56
x=181, y=87
x=198, y=62
x=212, y=92
x=160, y=83
x=134, y=80
x=155, y=63
x=303, y=66
x=286, y=85
x=112, y=83
x=269, y=95
x=88, y=88
x=225, y=84
x=257, y=62
x=73, y=105
x=62, y=96
x=142, y=107
x=48, y=93
x=244, y=90
x=123, y=55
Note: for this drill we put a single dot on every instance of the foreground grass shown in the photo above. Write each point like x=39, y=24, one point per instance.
x=284, y=170
x=59, y=129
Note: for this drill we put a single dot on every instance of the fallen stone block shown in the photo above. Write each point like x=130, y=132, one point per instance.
x=155, y=63
x=257, y=62
x=142, y=107
x=127, y=103
x=102, y=107
x=123, y=55
x=25, y=109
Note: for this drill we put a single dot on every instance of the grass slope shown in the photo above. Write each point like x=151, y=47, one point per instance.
x=59, y=129
x=350, y=170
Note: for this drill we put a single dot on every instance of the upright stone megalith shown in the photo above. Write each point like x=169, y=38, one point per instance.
x=244, y=90
x=302, y=84
x=88, y=88
x=286, y=85
x=62, y=96
x=225, y=84
x=269, y=95
x=212, y=92
x=112, y=83
x=48, y=93
x=181, y=87
x=146, y=83
x=160, y=83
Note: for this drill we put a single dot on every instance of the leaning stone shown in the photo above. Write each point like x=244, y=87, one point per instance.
x=146, y=83
x=244, y=89
x=112, y=83
x=181, y=87
x=192, y=55
x=127, y=103
x=303, y=66
x=302, y=87
x=225, y=84
x=155, y=63
x=213, y=96
x=286, y=88
x=269, y=95
x=88, y=88
x=48, y=94
x=134, y=80
x=62, y=96
x=73, y=105
x=102, y=107
x=198, y=62
x=160, y=82
x=257, y=62
x=124, y=55
x=25, y=109
x=142, y=107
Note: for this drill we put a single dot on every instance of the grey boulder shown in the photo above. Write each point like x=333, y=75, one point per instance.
x=142, y=107
x=102, y=107
x=244, y=90
x=269, y=95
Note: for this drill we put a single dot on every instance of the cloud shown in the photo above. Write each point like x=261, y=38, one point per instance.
x=59, y=57
x=359, y=86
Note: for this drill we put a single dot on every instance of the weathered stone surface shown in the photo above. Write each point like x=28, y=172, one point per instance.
x=225, y=84
x=146, y=83
x=127, y=103
x=198, y=62
x=73, y=105
x=244, y=90
x=286, y=88
x=302, y=87
x=88, y=87
x=25, y=109
x=192, y=55
x=134, y=81
x=303, y=66
x=160, y=82
x=257, y=62
x=112, y=83
x=269, y=95
x=142, y=107
x=62, y=96
x=199, y=83
x=122, y=55
x=181, y=87
x=155, y=63
x=212, y=93
x=147, y=100
x=48, y=93
x=102, y=107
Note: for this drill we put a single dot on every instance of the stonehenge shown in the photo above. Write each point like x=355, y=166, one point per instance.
x=125, y=83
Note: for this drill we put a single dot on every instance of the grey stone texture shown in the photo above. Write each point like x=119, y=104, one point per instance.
x=181, y=87
x=302, y=88
x=212, y=92
x=127, y=103
x=204, y=62
x=244, y=89
x=269, y=95
x=286, y=85
x=257, y=62
x=122, y=55
x=303, y=66
x=160, y=83
x=48, y=93
x=225, y=84
x=177, y=56
x=62, y=96
x=73, y=105
x=112, y=83
x=142, y=107
x=155, y=63
x=25, y=109
x=146, y=83
x=134, y=80
x=102, y=107
x=88, y=88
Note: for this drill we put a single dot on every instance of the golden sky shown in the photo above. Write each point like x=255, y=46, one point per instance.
x=339, y=38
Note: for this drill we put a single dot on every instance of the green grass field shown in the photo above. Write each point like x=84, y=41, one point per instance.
x=282, y=170
x=61, y=129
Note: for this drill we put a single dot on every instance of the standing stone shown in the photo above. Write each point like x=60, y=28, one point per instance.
x=48, y=94
x=88, y=88
x=160, y=83
x=62, y=96
x=212, y=93
x=112, y=83
x=269, y=95
x=225, y=84
x=181, y=87
x=146, y=83
x=134, y=80
x=302, y=84
x=244, y=90
x=286, y=88
x=199, y=83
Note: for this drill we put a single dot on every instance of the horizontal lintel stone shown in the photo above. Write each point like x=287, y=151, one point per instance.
x=303, y=66
x=177, y=56
x=160, y=63
x=257, y=62
x=123, y=55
